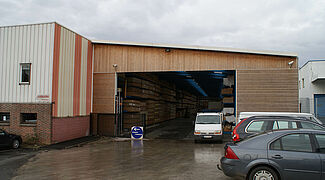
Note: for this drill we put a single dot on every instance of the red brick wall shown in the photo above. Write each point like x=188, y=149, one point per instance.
x=69, y=128
x=40, y=131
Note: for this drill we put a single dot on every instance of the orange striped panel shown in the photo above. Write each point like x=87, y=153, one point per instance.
x=56, y=61
x=76, y=86
x=89, y=77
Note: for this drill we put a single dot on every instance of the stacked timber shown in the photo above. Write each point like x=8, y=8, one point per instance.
x=158, y=100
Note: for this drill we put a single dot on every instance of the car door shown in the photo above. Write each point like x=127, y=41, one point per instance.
x=295, y=156
x=320, y=149
x=3, y=138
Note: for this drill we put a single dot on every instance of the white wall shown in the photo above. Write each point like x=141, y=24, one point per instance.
x=26, y=44
x=311, y=71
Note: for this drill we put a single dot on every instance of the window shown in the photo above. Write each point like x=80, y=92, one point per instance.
x=208, y=119
x=28, y=118
x=4, y=117
x=276, y=145
x=25, y=73
x=308, y=125
x=287, y=124
x=321, y=142
x=293, y=142
x=303, y=82
x=257, y=126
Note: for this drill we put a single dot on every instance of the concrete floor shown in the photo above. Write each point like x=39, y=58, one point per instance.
x=166, y=153
x=126, y=159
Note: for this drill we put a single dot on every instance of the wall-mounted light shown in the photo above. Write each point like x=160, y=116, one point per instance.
x=290, y=63
x=115, y=65
x=167, y=50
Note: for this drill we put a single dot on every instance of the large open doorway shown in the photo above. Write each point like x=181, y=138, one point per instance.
x=171, y=100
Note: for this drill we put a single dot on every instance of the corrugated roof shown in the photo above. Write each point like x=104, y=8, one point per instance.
x=45, y=23
x=202, y=48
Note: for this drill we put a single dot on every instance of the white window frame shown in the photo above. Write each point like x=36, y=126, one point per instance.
x=21, y=73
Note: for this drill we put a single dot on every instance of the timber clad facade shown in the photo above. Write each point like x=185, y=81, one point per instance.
x=52, y=72
x=264, y=82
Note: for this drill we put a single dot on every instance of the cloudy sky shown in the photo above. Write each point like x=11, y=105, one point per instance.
x=282, y=25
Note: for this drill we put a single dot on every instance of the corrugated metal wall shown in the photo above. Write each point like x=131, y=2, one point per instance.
x=26, y=44
x=72, y=72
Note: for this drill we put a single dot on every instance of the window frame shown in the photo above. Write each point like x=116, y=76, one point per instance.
x=316, y=142
x=310, y=122
x=292, y=121
x=24, y=121
x=311, y=138
x=268, y=127
x=1, y=118
x=21, y=73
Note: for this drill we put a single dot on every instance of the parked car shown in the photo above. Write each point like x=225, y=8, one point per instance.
x=311, y=117
x=257, y=124
x=208, y=126
x=9, y=140
x=279, y=154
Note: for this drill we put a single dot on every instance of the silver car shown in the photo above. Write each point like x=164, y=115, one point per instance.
x=280, y=154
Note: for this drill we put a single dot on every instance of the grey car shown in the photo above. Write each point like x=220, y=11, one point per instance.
x=279, y=154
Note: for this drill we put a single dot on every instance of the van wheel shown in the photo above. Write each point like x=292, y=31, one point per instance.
x=263, y=173
x=15, y=143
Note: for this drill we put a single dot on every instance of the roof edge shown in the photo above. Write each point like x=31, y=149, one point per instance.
x=312, y=60
x=202, y=48
x=53, y=22
x=31, y=24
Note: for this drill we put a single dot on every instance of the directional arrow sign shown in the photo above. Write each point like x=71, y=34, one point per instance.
x=137, y=132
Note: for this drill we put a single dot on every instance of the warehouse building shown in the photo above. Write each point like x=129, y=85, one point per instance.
x=145, y=84
x=58, y=85
x=312, y=88
x=45, y=74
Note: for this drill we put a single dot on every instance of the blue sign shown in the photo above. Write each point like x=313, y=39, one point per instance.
x=136, y=132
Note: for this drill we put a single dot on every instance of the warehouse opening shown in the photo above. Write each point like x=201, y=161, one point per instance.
x=166, y=103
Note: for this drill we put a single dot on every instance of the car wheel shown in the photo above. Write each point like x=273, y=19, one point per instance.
x=263, y=173
x=15, y=143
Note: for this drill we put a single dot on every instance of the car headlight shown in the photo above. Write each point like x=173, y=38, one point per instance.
x=197, y=132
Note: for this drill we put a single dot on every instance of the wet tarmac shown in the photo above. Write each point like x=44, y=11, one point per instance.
x=127, y=159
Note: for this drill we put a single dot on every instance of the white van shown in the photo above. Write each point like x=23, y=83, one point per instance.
x=311, y=117
x=208, y=126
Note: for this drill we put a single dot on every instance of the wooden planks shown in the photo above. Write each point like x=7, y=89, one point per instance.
x=104, y=93
x=149, y=59
x=267, y=90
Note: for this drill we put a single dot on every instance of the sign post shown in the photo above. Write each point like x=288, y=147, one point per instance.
x=137, y=132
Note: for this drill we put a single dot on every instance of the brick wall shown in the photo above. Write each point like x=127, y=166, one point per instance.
x=67, y=128
x=40, y=131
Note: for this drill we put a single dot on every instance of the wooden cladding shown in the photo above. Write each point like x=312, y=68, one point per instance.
x=149, y=59
x=104, y=93
x=267, y=90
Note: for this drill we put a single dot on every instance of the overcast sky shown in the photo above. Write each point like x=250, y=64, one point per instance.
x=282, y=25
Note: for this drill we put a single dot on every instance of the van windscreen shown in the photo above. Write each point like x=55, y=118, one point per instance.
x=208, y=119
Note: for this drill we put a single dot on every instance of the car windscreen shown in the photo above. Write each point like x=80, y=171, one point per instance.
x=208, y=119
